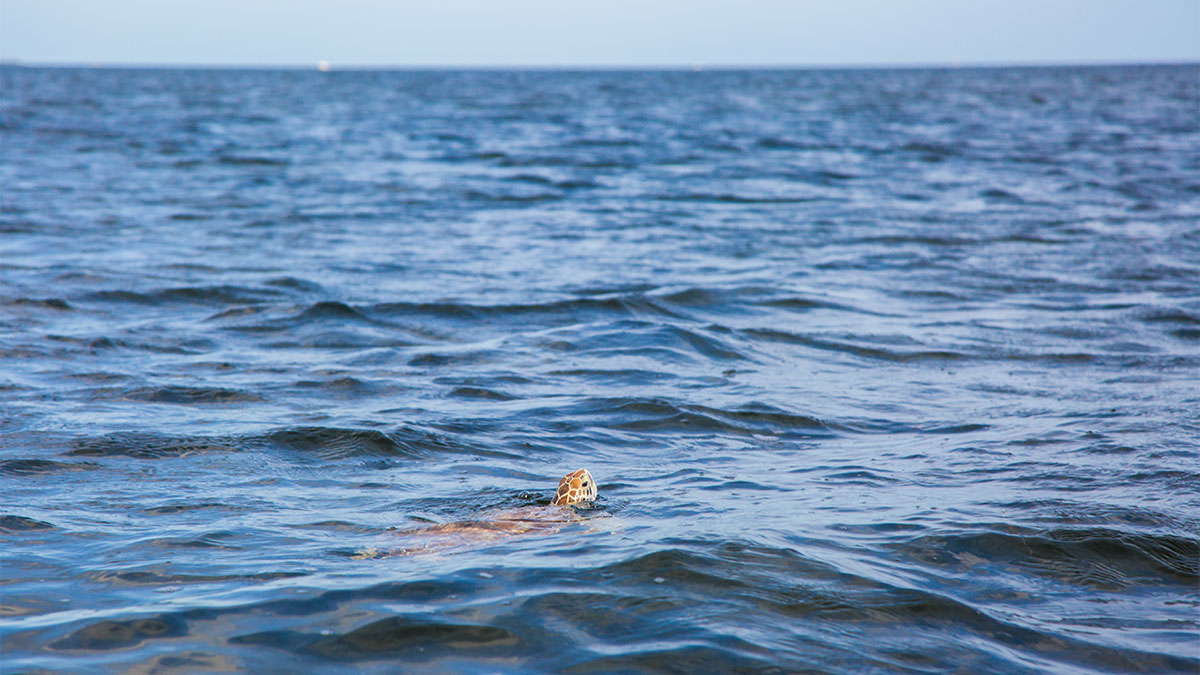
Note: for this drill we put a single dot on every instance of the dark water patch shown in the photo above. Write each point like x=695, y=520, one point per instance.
x=1093, y=557
x=481, y=393
x=954, y=428
x=1067, y=512
x=217, y=540
x=776, y=143
x=660, y=415
x=453, y=360
x=57, y=304
x=1170, y=316
x=766, y=419
x=658, y=342
x=681, y=660
x=248, y=161
x=238, y=312
x=191, y=395
x=743, y=485
x=902, y=239
x=702, y=297
x=874, y=352
x=930, y=151
x=296, y=284
x=94, y=345
x=591, y=307
x=625, y=377
x=150, y=446
x=731, y=198
x=161, y=577
x=201, y=295
x=109, y=635
x=334, y=444
x=509, y=199
x=346, y=385
x=393, y=637
x=11, y=523
x=327, y=443
x=1032, y=238
x=799, y=304
x=1000, y=195
x=1184, y=481
x=37, y=467
x=860, y=477
x=569, y=184
x=704, y=344
x=190, y=217
x=172, y=509
x=342, y=526
x=327, y=310
x=604, y=143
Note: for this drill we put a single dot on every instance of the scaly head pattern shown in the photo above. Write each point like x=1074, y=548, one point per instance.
x=575, y=487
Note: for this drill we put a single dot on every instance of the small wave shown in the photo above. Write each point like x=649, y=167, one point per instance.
x=775, y=143
x=800, y=304
x=149, y=446
x=250, y=161
x=109, y=634
x=996, y=194
x=172, y=509
x=11, y=523
x=33, y=467
x=879, y=353
x=730, y=198
x=204, y=295
x=216, y=540
x=658, y=415
x=764, y=418
x=191, y=395
x=332, y=444
x=931, y=150
x=739, y=485
x=1168, y=315
x=296, y=284
x=155, y=577
x=604, y=143
x=339, y=311
x=631, y=305
x=510, y=198
x=48, y=303
x=393, y=637
x=481, y=394
x=1088, y=556
x=326, y=443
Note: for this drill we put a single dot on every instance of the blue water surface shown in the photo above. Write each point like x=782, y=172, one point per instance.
x=877, y=370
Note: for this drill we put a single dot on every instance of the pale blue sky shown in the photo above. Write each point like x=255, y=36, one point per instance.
x=598, y=32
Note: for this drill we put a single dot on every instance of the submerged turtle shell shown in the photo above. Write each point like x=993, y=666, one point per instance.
x=574, y=488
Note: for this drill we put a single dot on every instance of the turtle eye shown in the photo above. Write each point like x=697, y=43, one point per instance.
x=585, y=483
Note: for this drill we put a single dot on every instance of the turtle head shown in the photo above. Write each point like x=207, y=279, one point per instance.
x=575, y=487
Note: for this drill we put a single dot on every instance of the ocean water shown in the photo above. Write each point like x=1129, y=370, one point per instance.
x=877, y=370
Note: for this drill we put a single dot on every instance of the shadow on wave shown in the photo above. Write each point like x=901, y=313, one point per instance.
x=728, y=606
x=323, y=443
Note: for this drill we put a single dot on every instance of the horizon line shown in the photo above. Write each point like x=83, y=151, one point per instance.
x=329, y=66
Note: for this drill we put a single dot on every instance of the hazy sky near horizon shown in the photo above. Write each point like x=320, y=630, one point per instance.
x=598, y=33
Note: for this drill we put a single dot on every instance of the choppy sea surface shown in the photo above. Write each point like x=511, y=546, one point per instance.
x=877, y=370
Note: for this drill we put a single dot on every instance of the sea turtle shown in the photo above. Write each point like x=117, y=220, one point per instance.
x=575, y=488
